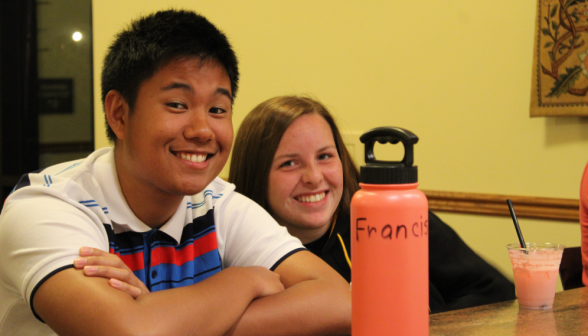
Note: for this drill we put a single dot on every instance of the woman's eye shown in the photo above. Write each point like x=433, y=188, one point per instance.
x=217, y=110
x=287, y=164
x=324, y=156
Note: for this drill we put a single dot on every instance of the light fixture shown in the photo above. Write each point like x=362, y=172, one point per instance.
x=76, y=36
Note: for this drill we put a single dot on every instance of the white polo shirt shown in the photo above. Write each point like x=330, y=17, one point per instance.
x=54, y=212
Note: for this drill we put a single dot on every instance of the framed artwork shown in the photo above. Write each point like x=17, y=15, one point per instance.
x=560, y=59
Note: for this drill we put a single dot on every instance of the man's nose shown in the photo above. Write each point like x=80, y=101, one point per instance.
x=198, y=127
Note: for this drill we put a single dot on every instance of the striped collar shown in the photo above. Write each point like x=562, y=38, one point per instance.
x=122, y=217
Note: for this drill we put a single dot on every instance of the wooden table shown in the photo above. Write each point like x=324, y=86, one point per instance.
x=569, y=316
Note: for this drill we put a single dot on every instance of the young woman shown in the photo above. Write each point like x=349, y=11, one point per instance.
x=290, y=158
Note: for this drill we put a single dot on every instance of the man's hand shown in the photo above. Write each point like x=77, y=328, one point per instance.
x=268, y=282
x=97, y=263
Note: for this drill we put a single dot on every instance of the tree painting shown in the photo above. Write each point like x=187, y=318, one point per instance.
x=561, y=60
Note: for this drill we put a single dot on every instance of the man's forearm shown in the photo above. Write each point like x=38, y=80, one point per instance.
x=317, y=301
x=314, y=307
x=73, y=304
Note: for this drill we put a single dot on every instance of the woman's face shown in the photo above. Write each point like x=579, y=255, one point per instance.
x=306, y=178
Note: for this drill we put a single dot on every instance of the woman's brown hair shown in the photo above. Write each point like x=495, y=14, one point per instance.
x=258, y=139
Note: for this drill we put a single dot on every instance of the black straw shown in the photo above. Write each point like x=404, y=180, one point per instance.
x=516, y=224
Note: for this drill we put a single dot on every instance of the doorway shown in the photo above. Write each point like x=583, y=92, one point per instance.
x=46, y=102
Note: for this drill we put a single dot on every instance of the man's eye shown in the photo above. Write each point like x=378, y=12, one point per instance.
x=217, y=110
x=176, y=105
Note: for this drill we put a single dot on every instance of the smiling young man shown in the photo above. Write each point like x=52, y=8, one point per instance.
x=205, y=252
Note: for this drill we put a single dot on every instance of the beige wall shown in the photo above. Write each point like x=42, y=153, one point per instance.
x=457, y=73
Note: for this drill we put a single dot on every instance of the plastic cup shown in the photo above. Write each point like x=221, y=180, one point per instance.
x=535, y=271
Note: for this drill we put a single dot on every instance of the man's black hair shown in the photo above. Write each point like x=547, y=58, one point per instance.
x=155, y=40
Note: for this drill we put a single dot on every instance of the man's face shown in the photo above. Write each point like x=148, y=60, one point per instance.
x=179, y=135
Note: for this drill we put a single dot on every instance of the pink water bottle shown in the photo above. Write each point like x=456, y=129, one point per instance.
x=389, y=243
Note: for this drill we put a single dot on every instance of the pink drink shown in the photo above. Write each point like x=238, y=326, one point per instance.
x=535, y=273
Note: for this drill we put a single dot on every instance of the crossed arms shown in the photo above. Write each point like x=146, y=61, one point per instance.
x=314, y=300
x=303, y=296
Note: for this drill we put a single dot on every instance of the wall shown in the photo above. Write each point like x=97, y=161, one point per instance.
x=455, y=72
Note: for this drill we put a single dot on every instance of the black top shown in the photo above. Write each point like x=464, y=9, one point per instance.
x=330, y=249
x=458, y=277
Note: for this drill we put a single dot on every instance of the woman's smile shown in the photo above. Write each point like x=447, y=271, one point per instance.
x=313, y=198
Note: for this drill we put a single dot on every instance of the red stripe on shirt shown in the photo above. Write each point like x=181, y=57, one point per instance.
x=169, y=255
x=134, y=261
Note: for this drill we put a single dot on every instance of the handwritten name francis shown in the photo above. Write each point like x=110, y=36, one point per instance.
x=387, y=231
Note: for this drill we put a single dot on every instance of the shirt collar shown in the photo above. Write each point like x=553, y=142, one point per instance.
x=122, y=217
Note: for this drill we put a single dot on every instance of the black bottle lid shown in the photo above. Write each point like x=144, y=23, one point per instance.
x=389, y=172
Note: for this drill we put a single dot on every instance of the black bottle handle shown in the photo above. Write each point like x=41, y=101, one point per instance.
x=391, y=135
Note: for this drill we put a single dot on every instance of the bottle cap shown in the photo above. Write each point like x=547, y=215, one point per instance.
x=389, y=172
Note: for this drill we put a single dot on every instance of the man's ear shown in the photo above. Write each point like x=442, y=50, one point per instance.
x=116, y=111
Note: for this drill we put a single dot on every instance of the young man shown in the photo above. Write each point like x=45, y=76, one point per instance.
x=204, y=251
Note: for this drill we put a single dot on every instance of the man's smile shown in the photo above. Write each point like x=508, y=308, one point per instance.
x=197, y=158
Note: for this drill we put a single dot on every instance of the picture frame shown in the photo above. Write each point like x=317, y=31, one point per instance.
x=560, y=60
